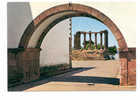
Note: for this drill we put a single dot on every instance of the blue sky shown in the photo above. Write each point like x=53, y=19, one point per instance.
x=90, y=24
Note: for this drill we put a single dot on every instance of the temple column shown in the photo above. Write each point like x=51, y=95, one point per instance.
x=101, y=47
x=75, y=39
x=106, y=39
x=84, y=40
x=78, y=41
x=90, y=40
x=96, y=40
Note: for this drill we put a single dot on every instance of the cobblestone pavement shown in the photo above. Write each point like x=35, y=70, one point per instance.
x=86, y=76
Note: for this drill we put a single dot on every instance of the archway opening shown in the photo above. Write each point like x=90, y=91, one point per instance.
x=55, y=54
x=102, y=62
x=40, y=26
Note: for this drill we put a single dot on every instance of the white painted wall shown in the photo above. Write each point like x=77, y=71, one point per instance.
x=19, y=15
x=37, y=33
x=55, y=46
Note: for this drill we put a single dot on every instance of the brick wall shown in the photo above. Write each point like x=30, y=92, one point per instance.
x=14, y=75
x=24, y=66
x=132, y=66
x=128, y=67
x=28, y=61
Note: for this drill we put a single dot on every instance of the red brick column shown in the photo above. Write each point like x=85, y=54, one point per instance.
x=128, y=67
x=124, y=71
x=131, y=66
x=132, y=72
x=28, y=61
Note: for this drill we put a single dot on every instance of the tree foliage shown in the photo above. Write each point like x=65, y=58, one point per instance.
x=87, y=45
x=92, y=45
x=112, y=50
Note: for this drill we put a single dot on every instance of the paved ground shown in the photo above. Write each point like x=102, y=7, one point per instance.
x=86, y=76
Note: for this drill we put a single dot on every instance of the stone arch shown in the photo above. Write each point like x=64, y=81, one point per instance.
x=37, y=29
x=62, y=12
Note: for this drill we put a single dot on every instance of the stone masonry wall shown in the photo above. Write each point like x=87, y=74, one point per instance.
x=128, y=67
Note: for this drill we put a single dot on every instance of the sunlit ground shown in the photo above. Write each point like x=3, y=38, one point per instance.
x=86, y=76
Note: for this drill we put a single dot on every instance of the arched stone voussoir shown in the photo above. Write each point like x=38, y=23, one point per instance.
x=71, y=7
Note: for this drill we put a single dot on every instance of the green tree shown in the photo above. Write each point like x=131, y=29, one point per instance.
x=87, y=45
x=109, y=54
x=112, y=50
x=99, y=46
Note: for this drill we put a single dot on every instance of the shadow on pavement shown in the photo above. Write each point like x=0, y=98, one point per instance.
x=70, y=78
x=89, y=79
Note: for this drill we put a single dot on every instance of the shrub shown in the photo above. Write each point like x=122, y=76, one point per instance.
x=112, y=50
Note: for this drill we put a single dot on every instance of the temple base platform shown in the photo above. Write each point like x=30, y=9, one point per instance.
x=87, y=55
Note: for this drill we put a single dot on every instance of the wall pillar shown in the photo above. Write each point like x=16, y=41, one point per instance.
x=131, y=66
x=124, y=71
x=128, y=67
x=28, y=61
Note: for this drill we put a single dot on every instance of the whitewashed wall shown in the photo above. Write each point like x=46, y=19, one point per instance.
x=19, y=15
x=55, y=46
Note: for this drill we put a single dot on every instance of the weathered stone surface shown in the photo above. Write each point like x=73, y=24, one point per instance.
x=131, y=66
x=124, y=72
x=73, y=7
x=87, y=55
x=14, y=75
x=28, y=62
x=47, y=71
x=128, y=67
x=132, y=72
